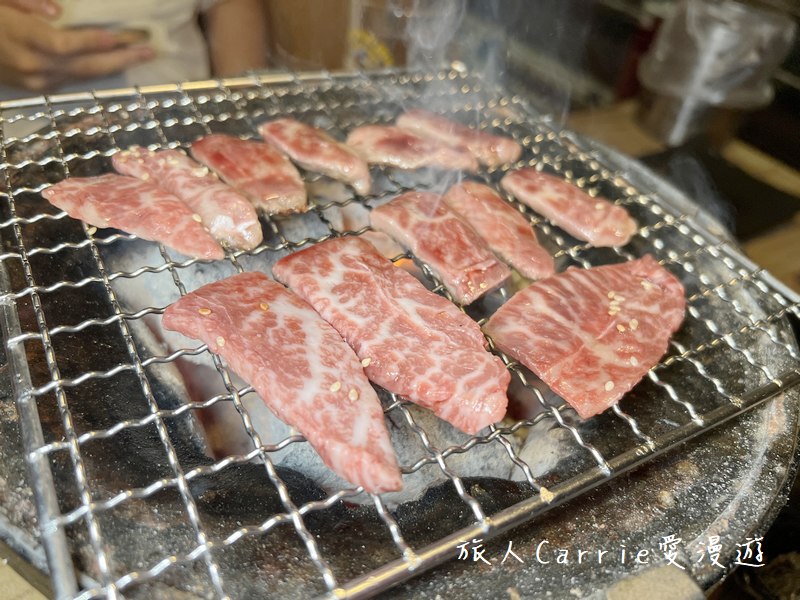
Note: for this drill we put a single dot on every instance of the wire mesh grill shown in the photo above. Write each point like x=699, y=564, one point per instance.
x=89, y=390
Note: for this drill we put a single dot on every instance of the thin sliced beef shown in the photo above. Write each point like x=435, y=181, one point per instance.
x=138, y=207
x=229, y=217
x=412, y=342
x=259, y=171
x=315, y=150
x=491, y=150
x=502, y=227
x=593, y=220
x=592, y=334
x=422, y=223
x=300, y=366
x=389, y=145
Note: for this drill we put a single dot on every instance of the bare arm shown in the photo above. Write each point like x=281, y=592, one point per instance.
x=237, y=36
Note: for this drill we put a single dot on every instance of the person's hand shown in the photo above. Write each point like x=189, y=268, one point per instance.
x=38, y=57
x=49, y=9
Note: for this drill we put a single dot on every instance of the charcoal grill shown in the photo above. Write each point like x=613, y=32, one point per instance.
x=129, y=504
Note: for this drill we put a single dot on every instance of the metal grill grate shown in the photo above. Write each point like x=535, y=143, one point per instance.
x=76, y=354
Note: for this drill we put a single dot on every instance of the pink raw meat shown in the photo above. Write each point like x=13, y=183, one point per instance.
x=504, y=229
x=316, y=151
x=422, y=223
x=259, y=171
x=412, y=342
x=389, y=145
x=592, y=334
x=594, y=220
x=300, y=367
x=230, y=218
x=491, y=150
x=135, y=206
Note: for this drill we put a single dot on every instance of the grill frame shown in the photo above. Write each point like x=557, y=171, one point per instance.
x=55, y=541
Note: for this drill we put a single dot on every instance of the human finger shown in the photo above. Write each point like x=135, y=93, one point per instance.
x=66, y=42
x=87, y=66
x=31, y=83
x=44, y=8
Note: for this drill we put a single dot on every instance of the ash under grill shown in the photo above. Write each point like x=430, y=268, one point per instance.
x=127, y=488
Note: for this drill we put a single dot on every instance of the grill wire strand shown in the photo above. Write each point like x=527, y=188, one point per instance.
x=255, y=99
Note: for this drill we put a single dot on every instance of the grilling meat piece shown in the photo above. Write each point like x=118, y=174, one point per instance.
x=314, y=150
x=422, y=223
x=138, y=207
x=491, y=150
x=411, y=341
x=592, y=334
x=300, y=367
x=503, y=228
x=229, y=217
x=389, y=145
x=259, y=171
x=593, y=220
